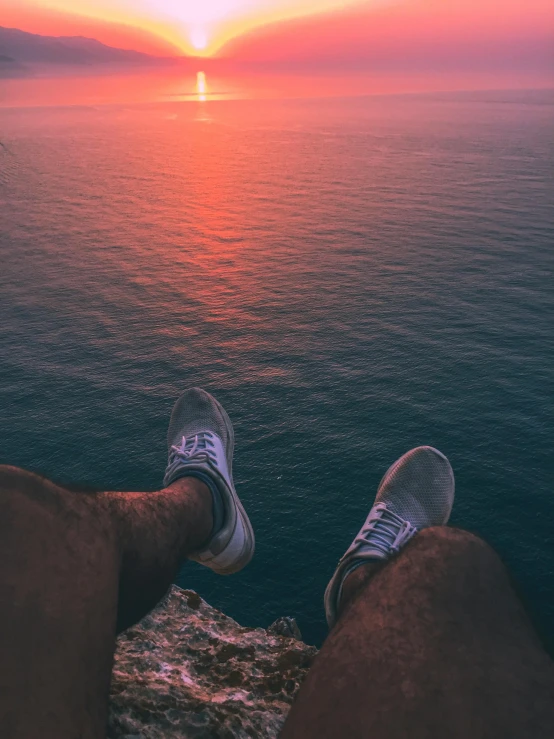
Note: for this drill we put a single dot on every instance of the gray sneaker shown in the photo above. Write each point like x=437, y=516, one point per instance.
x=201, y=442
x=416, y=492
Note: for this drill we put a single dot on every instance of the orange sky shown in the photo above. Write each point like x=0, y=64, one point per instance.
x=198, y=27
x=323, y=31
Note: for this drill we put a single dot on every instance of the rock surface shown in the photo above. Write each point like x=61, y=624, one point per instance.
x=189, y=671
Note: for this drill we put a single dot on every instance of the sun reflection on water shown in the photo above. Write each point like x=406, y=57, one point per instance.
x=201, y=86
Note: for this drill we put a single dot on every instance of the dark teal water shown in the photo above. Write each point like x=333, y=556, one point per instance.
x=351, y=278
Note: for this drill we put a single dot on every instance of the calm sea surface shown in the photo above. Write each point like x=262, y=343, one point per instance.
x=350, y=277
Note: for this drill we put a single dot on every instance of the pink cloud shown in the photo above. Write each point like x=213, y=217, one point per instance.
x=423, y=33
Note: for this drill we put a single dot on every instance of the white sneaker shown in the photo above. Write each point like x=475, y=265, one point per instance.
x=416, y=492
x=201, y=442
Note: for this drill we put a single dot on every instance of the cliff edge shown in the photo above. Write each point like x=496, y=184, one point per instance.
x=188, y=671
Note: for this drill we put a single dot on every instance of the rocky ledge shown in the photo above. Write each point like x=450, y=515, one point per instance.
x=189, y=671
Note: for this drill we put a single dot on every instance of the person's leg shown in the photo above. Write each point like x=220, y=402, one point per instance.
x=73, y=568
x=434, y=644
x=428, y=639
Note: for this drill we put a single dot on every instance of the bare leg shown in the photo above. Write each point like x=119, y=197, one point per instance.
x=74, y=568
x=434, y=644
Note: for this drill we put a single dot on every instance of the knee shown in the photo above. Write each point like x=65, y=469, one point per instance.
x=451, y=546
x=449, y=538
x=24, y=491
x=10, y=476
x=17, y=483
x=32, y=503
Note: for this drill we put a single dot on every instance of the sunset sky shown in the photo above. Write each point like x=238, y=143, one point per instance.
x=324, y=32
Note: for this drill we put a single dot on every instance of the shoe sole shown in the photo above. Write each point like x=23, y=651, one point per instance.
x=250, y=540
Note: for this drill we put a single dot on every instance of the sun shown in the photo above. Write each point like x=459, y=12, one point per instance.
x=199, y=39
x=201, y=87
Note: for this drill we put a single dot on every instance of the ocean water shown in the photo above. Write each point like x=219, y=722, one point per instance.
x=351, y=277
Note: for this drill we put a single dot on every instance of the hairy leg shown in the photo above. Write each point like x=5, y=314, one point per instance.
x=156, y=532
x=74, y=568
x=434, y=644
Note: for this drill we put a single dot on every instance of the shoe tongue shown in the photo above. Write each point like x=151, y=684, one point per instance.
x=196, y=442
x=369, y=553
x=380, y=536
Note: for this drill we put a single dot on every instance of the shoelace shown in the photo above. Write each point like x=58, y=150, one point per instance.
x=199, y=448
x=384, y=531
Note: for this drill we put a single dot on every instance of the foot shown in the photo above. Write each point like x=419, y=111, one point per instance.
x=201, y=441
x=416, y=492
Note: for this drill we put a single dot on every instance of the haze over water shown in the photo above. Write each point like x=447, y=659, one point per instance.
x=350, y=276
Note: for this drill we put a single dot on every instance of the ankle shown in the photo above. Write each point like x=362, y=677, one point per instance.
x=201, y=506
x=354, y=583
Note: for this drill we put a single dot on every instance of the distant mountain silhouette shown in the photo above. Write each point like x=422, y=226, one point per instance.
x=20, y=47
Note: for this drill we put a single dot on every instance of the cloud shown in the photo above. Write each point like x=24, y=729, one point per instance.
x=388, y=35
x=424, y=33
x=49, y=22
